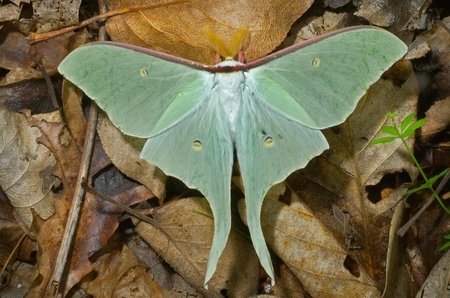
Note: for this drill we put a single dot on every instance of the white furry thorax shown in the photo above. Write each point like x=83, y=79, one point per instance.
x=229, y=87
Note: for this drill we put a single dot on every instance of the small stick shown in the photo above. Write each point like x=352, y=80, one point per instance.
x=74, y=213
x=37, y=37
x=401, y=232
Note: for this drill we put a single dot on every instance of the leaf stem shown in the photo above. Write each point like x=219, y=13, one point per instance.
x=427, y=181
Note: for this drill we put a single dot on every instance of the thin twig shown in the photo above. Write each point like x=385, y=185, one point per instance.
x=123, y=206
x=50, y=86
x=10, y=257
x=37, y=37
x=401, y=232
x=74, y=212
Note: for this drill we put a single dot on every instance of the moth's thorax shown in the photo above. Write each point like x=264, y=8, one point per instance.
x=229, y=86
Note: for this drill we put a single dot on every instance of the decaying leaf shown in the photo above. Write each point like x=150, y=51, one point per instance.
x=26, y=167
x=438, y=40
x=18, y=59
x=119, y=272
x=388, y=13
x=51, y=15
x=128, y=159
x=350, y=174
x=438, y=119
x=188, y=250
x=319, y=25
x=398, y=277
x=310, y=250
x=9, y=12
x=437, y=282
x=179, y=29
x=288, y=285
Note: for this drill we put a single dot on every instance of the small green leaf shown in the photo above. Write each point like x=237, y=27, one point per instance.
x=446, y=245
x=382, y=140
x=423, y=186
x=410, y=130
x=406, y=121
x=391, y=115
x=434, y=178
x=390, y=130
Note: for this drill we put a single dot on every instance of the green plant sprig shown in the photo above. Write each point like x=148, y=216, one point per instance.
x=406, y=130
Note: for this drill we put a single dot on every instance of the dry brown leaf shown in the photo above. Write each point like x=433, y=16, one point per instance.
x=20, y=59
x=309, y=249
x=335, y=3
x=398, y=277
x=120, y=274
x=320, y=25
x=51, y=15
x=10, y=233
x=438, y=40
x=9, y=12
x=98, y=220
x=179, y=29
x=175, y=285
x=127, y=159
x=389, y=13
x=438, y=119
x=350, y=174
x=20, y=280
x=188, y=250
x=288, y=284
x=437, y=282
x=26, y=167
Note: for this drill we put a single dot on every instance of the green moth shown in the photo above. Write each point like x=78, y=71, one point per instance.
x=269, y=111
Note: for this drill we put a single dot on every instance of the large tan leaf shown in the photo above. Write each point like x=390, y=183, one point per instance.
x=350, y=174
x=188, y=250
x=179, y=29
x=25, y=167
x=128, y=159
x=310, y=250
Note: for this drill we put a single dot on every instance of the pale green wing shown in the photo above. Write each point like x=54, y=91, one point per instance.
x=138, y=88
x=269, y=147
x=319, y=82
x=199, y=151
x=169, y=100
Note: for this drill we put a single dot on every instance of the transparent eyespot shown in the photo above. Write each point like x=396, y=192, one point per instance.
x=315, y=62
x=269, y=142
x=197, y=145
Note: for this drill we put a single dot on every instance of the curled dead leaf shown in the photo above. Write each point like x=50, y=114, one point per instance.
x=26, y=168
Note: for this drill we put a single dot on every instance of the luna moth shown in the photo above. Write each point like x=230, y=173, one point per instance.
x=269, y=111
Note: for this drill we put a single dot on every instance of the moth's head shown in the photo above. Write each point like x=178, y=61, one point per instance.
x=232, y=51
